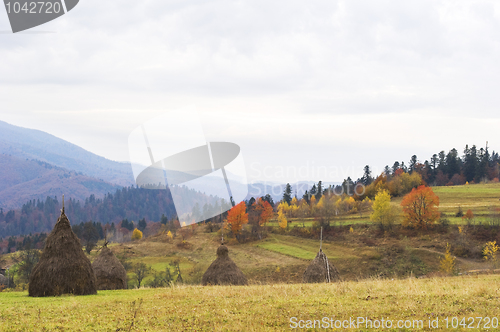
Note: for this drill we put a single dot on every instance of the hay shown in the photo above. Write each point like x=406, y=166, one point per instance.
x=317, y=270
x=63, y=267
x=223, y=271
x=109, y=272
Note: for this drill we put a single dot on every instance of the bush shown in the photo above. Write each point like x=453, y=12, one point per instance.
x=447, y=264
x=184, y=245
x=136, y=234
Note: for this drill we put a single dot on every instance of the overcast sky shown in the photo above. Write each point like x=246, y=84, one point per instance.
x=310, y=90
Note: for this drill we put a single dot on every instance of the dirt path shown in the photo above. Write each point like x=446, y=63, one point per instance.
x=468, y=265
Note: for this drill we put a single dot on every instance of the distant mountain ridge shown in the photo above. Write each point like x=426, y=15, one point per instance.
x=35, y=144
x=22, y=180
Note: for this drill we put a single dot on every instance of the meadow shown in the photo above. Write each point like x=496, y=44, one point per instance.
x=261, y=307
x=390, y=276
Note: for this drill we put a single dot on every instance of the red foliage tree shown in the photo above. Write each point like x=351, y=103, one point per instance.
x=420, y=208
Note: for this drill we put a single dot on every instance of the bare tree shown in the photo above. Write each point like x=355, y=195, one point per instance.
x=141, y=270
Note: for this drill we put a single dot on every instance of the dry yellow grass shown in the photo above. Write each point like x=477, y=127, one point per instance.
x=256, y=307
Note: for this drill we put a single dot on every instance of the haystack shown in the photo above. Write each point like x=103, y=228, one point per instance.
x=321, y=270
x=223, y=271
x=109, y=272
x=63, y=267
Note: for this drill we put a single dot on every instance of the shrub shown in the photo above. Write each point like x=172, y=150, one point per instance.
x=136, y=234
x=447, y=264
x=490, y=252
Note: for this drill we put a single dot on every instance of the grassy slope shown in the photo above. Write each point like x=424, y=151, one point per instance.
x=480, y=198
x=253, y=308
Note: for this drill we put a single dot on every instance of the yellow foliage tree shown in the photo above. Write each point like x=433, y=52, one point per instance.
x=169, y=235
x=383, y=212
x=282, y=219
x=447, y=264
x=490, y=253
x=136, y=234
x=325, y=209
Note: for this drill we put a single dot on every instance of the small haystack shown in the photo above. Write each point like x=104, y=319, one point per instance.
x=223, y=271
x=63, y=267
x=110, y=273
x=321, y=270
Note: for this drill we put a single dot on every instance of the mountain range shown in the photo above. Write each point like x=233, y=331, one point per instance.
x=35, y=164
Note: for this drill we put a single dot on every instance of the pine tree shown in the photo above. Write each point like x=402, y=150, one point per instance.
x=319, y=192
x=287, y=194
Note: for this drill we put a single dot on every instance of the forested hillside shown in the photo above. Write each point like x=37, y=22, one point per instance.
x=127, y=203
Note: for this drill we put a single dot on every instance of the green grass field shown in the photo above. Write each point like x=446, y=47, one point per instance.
x=259, y=307
x=480, y=198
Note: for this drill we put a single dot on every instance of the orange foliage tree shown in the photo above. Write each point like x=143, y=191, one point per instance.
x=468, y=215
x=237, y=217
x=420, y=207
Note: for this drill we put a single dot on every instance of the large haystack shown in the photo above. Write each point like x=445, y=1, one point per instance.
x=63, y=267
x=109, y=272
x=223, y=271
x=321, y=270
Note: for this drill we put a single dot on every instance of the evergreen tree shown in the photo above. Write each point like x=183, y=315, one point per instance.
x=319, y=192
x=387, y=170
x=268, y=199
x=482, y=169
x=413, y=163
x=470, y=162
x=395, y=167
x=287, y=194
x=142, y=224
x=452, y=163
x=367, y=176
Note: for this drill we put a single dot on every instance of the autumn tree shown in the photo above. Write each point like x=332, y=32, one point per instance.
x=326, y=209
x=282, y=221
x=447, y=264
x=136, y=234
x=469, y=216
x=384, y=214
x=490, y=253
x=420, y=208
x=259, y=213
x=265, y=211
x=303, y=210
x=237, y=217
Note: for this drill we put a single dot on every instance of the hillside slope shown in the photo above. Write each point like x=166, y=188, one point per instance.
x=34, y=144
x=22, y=180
